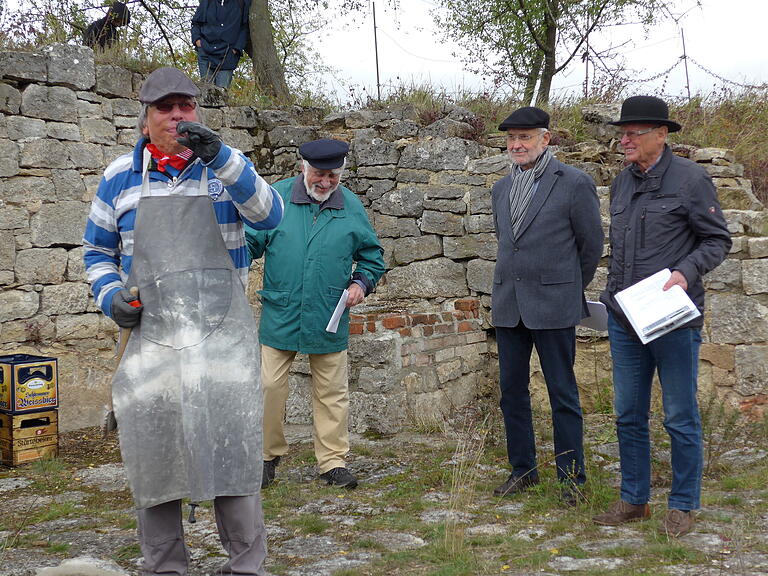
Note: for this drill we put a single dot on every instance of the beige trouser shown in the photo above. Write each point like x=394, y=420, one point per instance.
x=330, y=404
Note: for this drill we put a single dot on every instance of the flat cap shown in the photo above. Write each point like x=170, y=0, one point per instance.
x=526, y=117
x=164, y=82
x=324, y=154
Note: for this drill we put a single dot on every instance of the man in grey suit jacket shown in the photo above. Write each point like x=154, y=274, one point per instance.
x=550, y=239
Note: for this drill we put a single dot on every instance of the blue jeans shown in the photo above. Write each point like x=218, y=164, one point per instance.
x=210, y=73
x=557, y=353
x=676, y=358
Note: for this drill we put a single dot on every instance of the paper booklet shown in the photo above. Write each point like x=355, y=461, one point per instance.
x=652, y=311
x=333, y=323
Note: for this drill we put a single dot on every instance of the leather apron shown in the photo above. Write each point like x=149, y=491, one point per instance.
x=187, y=392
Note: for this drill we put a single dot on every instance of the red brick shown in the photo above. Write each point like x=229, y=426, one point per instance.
x=356, y=318
x=394, y=322
x=356, y=328
x=370, y=326
x=424, y=319
x=466, y=326
x=445, y=329
x=467, y=305
x=405, y=332
x=428, y=330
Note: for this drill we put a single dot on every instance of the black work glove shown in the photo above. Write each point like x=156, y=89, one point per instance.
x=204, y=142
x=123, y=313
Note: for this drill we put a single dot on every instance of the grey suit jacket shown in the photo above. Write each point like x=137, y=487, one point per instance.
x=540, y=276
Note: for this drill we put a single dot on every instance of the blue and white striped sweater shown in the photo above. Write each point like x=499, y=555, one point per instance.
x=108, y=239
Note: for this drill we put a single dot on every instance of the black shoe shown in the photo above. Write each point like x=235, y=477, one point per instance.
x=268, y=474
x=340, y=477
x=572, y=494
x=515, y=485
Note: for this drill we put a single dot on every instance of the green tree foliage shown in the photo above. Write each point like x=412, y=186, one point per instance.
x=522, y=43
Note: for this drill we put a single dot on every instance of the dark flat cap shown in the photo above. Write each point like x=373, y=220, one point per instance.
x=526, y=117
x=164, y=82
x=646, y=110
x=324, y=154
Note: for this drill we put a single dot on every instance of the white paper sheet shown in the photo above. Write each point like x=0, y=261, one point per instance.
x=333, y=323
x=598, y=317
x=653, y=311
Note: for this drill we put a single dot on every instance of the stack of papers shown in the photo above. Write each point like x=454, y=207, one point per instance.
x=653, y=311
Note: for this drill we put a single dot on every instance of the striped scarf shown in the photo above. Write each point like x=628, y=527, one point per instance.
x=521, y=191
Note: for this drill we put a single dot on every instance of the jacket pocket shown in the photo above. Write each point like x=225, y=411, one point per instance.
x=276, y=297
x=657, y=218
x=334, y=293
x=563, y=277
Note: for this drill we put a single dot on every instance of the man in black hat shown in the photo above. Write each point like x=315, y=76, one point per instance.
x=103, y=32
x=550, y=239
x=664, y=214
x=168, y=220
x=324, y=252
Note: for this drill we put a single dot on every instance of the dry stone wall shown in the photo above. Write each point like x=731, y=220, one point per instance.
x=422, y=345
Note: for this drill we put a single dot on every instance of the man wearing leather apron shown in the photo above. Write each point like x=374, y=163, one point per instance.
x=166, y=257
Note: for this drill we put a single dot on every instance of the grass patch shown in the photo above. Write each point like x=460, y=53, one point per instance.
x=309, y=524
x=58, y=548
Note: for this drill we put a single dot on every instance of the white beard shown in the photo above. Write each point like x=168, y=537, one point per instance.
x=315, y=194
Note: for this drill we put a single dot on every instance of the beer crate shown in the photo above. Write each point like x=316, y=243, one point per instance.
x=28, y=383
x=28, y=437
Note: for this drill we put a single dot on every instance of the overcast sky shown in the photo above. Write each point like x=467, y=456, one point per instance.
x=724, y=36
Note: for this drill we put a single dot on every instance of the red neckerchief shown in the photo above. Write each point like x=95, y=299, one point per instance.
x=178, y=161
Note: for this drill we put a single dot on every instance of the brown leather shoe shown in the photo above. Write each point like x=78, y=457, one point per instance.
x=677, y=522
x=622, y=512
x=515, y=485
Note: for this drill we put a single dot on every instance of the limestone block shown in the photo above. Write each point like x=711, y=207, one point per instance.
x=210, y=95
x=598, y=283
x=470, y=246
x=405, y=201
x=41, y=265
x=755, y=222
x=417, y=176
x=738, y=245
x=364, y=118
x=381, y=413
x=436, y=155
x=59, y=224
x=480, y=201
x=98, y=130
x=710, y=154
x=44, y=153
x=442, y=223
x=394, y=227
x=49, y=102
x=374, y=350
x=738, y=197
x=6, y=278
x=83, y=155
x=35, y=329
x=13, y=218
x=68, y=184
x=375, y=380
x=497, y=164
x=408, y=250
x=726, y=276
x=75, y=265
x=446, y=128
x=373, y=189
x=269, y=119
x=127, y=136
x=7, y=250
x=388, y=244
x=758, y=247
x=63, y=131
x=24, y=66
x=478, y=223
x=239, y=139
x=427, y=279
x=113, y=80
x=444, y=192
x=461, y=179
x=241, y=117
x=480, y=275
x=393, y=130
x=282, y=136
x=22, y=129
x=388, y=172
x=91, y=182
x=721, y=355
x=449, y=370
x=736, y=319
x=446, y=205
x=27, y=190
x=755, y=276
x=371, y=150
x=9, y=158
x=126, y=107
x=71, y=65
x=67, y=298
x=729, y=171
x=89, y=109
x=77, y=326
x=15, y=304
x=752, y=369
x=601, y=113
x=10, y=99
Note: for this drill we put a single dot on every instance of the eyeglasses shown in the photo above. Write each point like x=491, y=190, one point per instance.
x=168, y=106
x=632, y=134
x=520, y=137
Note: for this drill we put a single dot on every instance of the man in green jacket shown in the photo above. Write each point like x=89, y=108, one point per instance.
x=323, y=251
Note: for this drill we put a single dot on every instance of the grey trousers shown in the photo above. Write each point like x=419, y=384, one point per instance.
x=241, y=530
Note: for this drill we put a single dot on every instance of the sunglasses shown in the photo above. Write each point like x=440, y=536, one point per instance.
x=168, y=106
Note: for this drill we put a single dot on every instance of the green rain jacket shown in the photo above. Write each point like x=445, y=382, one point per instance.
x=308, y=264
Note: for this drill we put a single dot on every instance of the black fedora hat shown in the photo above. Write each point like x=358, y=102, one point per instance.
x=646, y=110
